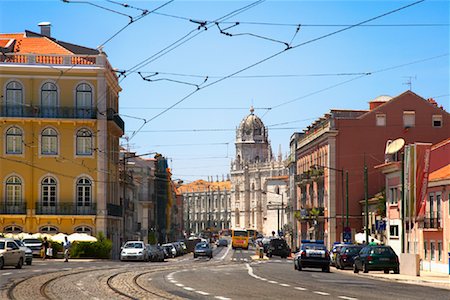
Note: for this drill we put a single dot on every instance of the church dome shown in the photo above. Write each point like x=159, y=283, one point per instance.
x=251, y=125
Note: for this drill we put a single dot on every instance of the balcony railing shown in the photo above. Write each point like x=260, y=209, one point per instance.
x=37, y=111
x=311, y=213
x=114, y=210
x=432, y=221
x=13, y=208
x=65, y=209
x=112, y=115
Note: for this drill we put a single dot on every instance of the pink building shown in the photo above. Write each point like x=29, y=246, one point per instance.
x=341, y=142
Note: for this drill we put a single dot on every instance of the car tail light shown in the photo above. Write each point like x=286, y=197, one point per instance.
x=344, y=256
x=327, y=254
x=369, y=258
x=303, y=254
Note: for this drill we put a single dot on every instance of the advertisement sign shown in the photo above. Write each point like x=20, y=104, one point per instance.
x=422, y=169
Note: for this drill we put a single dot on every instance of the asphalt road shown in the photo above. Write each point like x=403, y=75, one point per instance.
x=232, y=274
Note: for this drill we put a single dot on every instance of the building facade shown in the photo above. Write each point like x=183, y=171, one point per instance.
x=343, y=142
x=206, y=205
x=60, y=137
x=250, y=169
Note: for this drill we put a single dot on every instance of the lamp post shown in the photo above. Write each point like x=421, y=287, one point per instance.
x=277, y=207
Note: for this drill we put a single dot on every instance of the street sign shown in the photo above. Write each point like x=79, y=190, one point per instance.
x=347, y=236
x=380, y=225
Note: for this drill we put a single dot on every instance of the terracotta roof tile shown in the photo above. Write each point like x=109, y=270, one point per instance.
x=439, y=174
x=202, y=186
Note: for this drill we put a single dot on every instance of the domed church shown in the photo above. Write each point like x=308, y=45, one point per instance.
x=253, y=170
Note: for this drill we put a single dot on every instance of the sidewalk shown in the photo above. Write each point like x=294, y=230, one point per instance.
x=431, y=279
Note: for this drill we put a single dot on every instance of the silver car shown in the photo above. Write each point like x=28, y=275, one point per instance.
x=28, y=252
x=11, y=254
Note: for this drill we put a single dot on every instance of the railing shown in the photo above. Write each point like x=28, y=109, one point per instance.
x=114, y=210
x=432, y=221
x=112, y=115
x=53, y=59
x=36, y=111
x=13, y=208
x=311, y=213
x=67, y=209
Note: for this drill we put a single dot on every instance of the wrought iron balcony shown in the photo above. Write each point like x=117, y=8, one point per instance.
x=13, y=208
x=114, y=210
x=311, y=213
x=38, y=111
x=65, y=209
x=432, y=221
x=112, y=115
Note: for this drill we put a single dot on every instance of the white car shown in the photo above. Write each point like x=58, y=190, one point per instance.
x=11, y=254
x=134, y=250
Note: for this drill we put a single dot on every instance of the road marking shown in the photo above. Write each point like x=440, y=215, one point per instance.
x=4, y=274
x=285, y=284
x=202, y=293
x=222, y=298
x=272, y=281
x=347, y=298
x=172, y=281
x=150, y=279
x=188, y=288
x=179, y=284
x=321, y=293
x=37, y=271
x=300, y=288
x=226, y=252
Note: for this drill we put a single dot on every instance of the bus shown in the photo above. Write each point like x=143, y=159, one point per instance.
x=239, y=239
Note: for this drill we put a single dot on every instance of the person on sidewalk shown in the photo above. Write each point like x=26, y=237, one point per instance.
x=66, y=246
x=45, y=246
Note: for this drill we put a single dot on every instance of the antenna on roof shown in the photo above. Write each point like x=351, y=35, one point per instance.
x=409, y=81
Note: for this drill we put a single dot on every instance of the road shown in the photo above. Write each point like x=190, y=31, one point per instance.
x=231, y=274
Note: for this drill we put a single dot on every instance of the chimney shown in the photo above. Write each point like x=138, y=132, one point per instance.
x=45, y=28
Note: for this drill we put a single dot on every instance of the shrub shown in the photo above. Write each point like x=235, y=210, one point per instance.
x=100, y=249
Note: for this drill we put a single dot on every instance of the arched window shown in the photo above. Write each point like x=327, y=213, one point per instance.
x=84, y=192
x=84, y=229
x=84, y=142
x=49, y=229
x=49, y=142
x=14, y=99
x=49, y=99
x=13, y=190
x=14, y=140
x=13, y=229
x=48, y=192
x=83, y=100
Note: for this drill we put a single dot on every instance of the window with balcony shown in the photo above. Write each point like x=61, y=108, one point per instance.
x=49, y=99
x=381, y=120
x=432, y=250
x=14, y=99
x=439, y=250
x=48, y=192
x=437, y=121
x=14, y=139
x=13, y=190
x=84, y=142
x=49, y=142
x=83, y=101
x=84, y=192
x=409, y=119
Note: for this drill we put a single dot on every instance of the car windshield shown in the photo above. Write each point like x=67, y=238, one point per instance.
x=201, y=246
x=31, y=241
x=134, y=245
x=19, y=242
x=381, y=251
x=313, y=247
x=240, y=233
x=2, y=245
x=353, y=250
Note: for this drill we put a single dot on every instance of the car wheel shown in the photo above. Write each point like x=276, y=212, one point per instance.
x=299, y=267
x=2, y=263
x=365, y=268
x=326, y=269
x=295, y=266
x=29, y=263
x=386, y=271
x=19, y=264
x=355, y=268
x=397, y=271
x=195, y=256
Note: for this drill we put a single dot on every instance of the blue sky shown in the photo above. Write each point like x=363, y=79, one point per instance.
x=198, y=135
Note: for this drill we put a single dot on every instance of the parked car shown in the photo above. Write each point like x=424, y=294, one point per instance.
x=34, y=244
x=155, y=253
x=183, y=246
x=203, y=249
x=376, y=258
x=28, y=252
x=312, y=254
x=265, y=244
x=11, y=254
x=178, y=248
x=134, y=250
x=278, y=247
x=171, y=250
x=222, y=243
x=346, y=255
x=335, y=251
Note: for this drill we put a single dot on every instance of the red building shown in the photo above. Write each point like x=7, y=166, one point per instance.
x=342, y=142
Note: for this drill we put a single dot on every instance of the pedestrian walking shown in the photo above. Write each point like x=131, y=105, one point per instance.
x=66, y=246
x=45, y=247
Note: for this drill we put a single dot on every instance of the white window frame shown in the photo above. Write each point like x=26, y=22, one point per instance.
x=49, y=141
x=436, y=118
x=409, y=119
x=14, y=98
x=381, y=120
x=49, y=192
x=13, y=190
x=14, y=141
x=397, y=231
x=84, y=142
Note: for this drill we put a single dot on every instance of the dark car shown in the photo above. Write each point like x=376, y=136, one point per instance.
x=346, y=255
x=203, y=249
x=155, y=253
x=278, y=247
x=376, y=258
x=335, y=251
x=312, y=255
x=222, y=243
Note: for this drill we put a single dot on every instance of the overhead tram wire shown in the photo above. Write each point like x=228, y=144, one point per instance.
x=275, y=55
x=196, y=108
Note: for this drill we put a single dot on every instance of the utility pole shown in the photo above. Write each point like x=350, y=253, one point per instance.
x=346, y=198
x=366, y=198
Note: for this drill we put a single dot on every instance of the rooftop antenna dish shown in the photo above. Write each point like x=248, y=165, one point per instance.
x=395, y=146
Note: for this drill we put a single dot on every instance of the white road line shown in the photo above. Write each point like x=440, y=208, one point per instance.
x=226, y=252
x=272, y=281
x=4, y=274
x=188, y=288
x=321, y=293
x=37, y=271
x=285, y=284
x=300, y=288
x=222, y=298
x=347, y=298
x=202, y=293
x=263, y=279
x=172, y=281
x=179, y=284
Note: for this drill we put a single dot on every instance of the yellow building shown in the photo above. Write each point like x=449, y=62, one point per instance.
x=59, y=137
